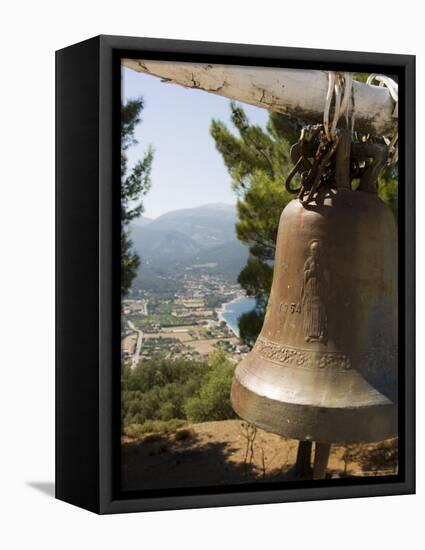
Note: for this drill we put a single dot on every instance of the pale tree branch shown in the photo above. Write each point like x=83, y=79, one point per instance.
x=298, y=93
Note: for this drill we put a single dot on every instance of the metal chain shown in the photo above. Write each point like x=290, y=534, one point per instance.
x=313, y=144
x=313, y=153
x=320, y=142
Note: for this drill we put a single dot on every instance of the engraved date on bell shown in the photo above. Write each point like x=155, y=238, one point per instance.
x=289, y=308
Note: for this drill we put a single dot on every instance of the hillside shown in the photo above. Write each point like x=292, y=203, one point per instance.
x=217, y=453
x=201, y=239
x=208, y=225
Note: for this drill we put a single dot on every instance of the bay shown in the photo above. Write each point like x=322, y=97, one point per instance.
x=231, y=311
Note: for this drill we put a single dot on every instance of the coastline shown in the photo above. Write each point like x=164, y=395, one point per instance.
x=223, y=309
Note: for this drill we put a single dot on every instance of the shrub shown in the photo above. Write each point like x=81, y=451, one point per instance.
x=183, y=435
x=157, y=389
x=213, y=399
x=162, y=390
x=383, y=457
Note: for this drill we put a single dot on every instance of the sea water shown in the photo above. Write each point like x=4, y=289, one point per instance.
x=234, y=309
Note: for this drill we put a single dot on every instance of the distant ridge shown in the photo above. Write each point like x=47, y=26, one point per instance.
x=141, y=221
x=203, y=238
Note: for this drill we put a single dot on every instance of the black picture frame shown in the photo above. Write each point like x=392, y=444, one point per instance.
x=87, y=272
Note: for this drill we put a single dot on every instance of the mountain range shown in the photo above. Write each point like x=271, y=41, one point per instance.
x=201, y=239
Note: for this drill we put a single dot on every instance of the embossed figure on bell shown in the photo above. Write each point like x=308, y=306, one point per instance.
x=313, y=295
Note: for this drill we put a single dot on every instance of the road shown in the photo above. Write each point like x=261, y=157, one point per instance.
x=139, y=342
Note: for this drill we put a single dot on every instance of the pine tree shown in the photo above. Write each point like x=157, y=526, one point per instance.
x=258, y=162
x=135, y=183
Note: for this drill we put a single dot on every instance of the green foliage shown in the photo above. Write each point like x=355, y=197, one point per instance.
x=253, y=150
x=361, y=77
x=250, y=324
x=213, y=399
x=166, y=389
x=256, y=278
x=388, y=188
x=157, y=389
x=135, y=183
x=165, y=320
x=130, y=261
x=259, y=210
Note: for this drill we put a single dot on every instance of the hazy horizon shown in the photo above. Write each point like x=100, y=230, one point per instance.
x=210, y=204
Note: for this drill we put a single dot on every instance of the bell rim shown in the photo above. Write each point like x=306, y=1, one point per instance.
x=341, y=425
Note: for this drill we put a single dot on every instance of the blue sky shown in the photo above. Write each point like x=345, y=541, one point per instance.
x=187, y=170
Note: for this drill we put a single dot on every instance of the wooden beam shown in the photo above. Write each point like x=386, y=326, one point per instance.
x=295, y=92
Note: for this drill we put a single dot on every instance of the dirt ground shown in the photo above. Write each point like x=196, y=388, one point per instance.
x=229, y=452
x=129, y=343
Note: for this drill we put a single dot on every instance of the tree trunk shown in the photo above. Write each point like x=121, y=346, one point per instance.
x=295, y=92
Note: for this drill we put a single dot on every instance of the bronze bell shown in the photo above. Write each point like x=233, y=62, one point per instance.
x=324, y=367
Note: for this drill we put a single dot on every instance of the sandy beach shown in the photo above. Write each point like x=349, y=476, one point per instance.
x=223, y=309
